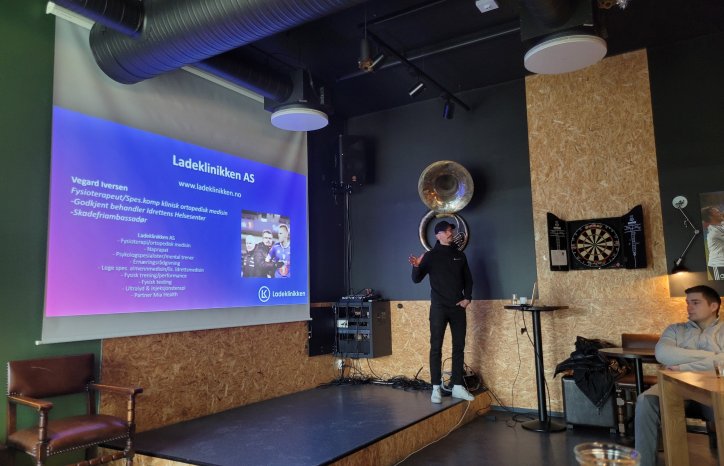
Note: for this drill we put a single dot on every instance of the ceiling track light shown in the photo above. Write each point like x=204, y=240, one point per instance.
x=418, y=71
x=370, y=64
x=365, y=62
x=378, y=60
x=679, y=203
x=416, y=89
x=448, y=110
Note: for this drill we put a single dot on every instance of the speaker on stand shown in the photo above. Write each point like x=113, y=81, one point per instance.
x=355, y=170
x=355, y=167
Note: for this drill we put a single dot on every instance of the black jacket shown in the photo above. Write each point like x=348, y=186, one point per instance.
x=593, y=373
x=450, y=277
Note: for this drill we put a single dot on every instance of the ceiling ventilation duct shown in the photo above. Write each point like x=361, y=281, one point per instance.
x=183, y=32
x=252, y=75
x=124, y=16
x=190, y=32
x=561, y=35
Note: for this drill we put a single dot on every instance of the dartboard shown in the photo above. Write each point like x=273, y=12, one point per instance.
x=595, y=245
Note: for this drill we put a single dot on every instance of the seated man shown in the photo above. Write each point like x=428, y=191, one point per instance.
x=687, y=346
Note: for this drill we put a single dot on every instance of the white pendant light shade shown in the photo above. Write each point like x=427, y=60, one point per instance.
x=299, y=118
x=562, y=54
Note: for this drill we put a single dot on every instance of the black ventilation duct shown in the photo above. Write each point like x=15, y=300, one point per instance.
x=183, y=32
x=249, y=74
x=133, y=41
x=124, y=16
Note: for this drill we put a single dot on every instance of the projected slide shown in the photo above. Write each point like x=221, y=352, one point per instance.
x=140, y=222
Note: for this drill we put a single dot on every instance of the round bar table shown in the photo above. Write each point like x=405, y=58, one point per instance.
x=543, y=423
x=639, y=357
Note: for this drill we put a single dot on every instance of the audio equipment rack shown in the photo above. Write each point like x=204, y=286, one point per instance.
x=363, y=328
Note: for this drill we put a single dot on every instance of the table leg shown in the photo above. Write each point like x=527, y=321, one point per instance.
x=673, y=424
x=718, y=405
x=543, y=423
x=638, y=367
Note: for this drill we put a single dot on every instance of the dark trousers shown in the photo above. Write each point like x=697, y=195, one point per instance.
x=440, y=316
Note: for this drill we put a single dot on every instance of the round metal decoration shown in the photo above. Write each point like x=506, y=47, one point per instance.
x=445, y=187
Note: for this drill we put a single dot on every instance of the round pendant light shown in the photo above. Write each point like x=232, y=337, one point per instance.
x=565, y=53
x=299, y=117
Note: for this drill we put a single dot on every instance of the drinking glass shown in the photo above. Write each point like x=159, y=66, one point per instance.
x=719, y=368
x=605, y=454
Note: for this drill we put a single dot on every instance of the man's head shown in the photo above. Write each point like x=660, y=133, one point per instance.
x=712, y=215
x=702, y=304
x=444, y=232
x=249, y=243
x=283, y=233
x=267, y=238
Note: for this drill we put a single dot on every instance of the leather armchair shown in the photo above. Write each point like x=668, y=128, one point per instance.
x=30, y=382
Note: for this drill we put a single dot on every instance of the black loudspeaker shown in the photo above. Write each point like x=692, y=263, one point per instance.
x=355, y=167
x=322, y=330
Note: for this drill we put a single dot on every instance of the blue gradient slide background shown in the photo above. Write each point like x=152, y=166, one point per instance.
x=105, y=177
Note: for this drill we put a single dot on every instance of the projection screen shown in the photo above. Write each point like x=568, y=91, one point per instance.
x=174, y=205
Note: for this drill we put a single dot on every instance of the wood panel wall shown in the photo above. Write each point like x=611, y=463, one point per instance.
x=191, y=374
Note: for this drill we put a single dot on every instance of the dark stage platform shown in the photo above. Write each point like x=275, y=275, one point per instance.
x=313, y=427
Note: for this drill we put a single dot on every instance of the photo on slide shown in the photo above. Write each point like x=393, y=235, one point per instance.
x=265, y=245
x=712, y=222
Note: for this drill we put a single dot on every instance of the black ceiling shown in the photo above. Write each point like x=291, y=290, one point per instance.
x=456, y=45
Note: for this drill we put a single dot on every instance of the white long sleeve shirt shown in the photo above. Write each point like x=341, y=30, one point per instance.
x=690, y=347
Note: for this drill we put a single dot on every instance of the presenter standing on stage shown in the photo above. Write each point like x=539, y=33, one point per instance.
x=451, y=286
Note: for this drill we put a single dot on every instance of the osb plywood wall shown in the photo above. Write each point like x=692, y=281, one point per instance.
x=190, y=374
x=592, y=155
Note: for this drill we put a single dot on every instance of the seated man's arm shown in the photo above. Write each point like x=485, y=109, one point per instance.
x=705, y=364
x=669, y=353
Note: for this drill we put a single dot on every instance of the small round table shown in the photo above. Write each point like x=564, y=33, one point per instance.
x=543, y=423
x=639, y=357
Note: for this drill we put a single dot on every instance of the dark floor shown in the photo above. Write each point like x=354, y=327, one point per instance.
x=495, y=439
x=322, y=425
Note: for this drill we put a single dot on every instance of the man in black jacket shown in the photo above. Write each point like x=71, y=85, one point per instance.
x=262, y=249
x=451, y=286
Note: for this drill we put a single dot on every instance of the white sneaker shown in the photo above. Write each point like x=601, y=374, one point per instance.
x=436, y=396
x=461, y=392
